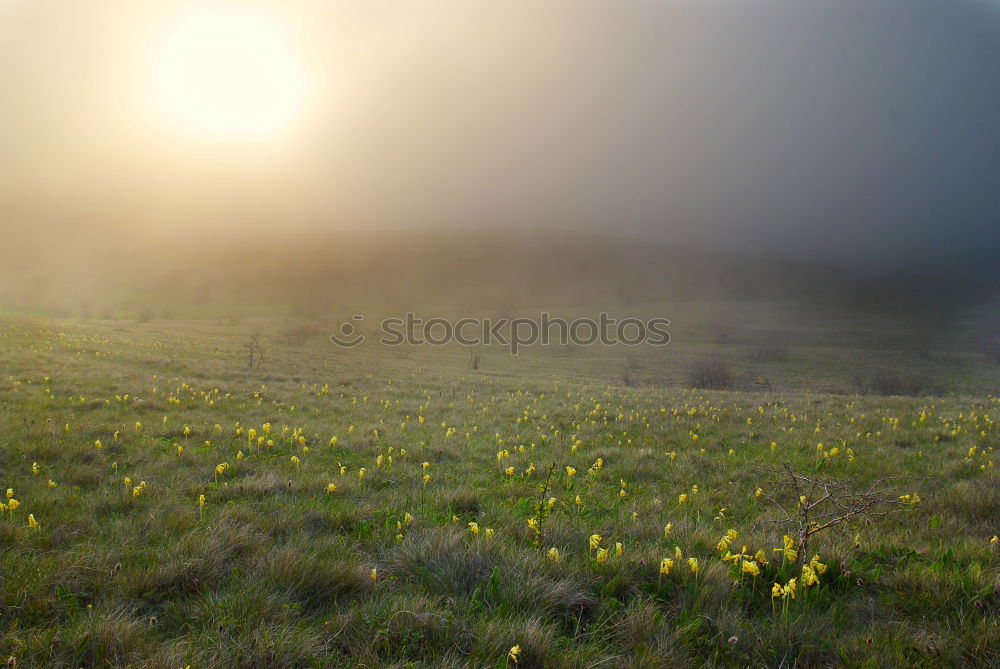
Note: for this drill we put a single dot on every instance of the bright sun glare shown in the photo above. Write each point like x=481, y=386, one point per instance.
x=227, y=70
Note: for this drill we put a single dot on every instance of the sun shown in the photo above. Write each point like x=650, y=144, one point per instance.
x=227, y=70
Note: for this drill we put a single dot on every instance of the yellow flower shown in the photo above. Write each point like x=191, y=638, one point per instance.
x=789, y=589
x=52, y=484
x=201, y=501
x=994, y=540
x=373, y=574
x=138, y=426
x=618, y=548
x=818, y=566
x=570, y=471
x=678, y=555
x=12, y=504
x=682, y=499
x=693, y=564
x=759, y=492
x=668, y=528
x=602, y=555
x=331, y=488
x=31, y=521
x=809, y=577
x=513, y=653
x=595, y=541
x=788, y=551
x=777, y=590
x=474, y=528
x=97, y=444
x=665, y=566
x=751, y=568
x=533, y=524
x=554, y=554
x=490, y=532
x=34, y=468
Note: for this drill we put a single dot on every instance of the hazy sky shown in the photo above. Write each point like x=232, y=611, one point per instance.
x=827, y=128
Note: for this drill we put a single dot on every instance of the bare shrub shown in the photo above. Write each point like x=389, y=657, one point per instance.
x=810, y=504
x=255, y=350
x=297, y=336
x=711, y=374
x=888, y=382
x=629, y=369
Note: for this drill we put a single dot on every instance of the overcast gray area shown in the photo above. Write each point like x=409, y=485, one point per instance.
x=847, y=131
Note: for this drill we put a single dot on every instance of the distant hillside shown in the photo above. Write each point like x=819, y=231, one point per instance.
x=480, y=270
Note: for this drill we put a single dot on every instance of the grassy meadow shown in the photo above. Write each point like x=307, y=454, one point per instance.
x=166, y=506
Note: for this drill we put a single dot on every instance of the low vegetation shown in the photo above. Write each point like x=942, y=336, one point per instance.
x=168, y=505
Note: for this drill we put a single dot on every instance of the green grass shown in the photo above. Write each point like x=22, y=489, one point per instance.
x=275, y=571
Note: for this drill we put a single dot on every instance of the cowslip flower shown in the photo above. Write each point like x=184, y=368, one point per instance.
x=554, y=554
x=751, y=568
x=666, y=565
x=816, y=565
x=693, y=565
x=602, y=555
x=474, y=527
x=788, y=550
x=595, y=541
x=513, y=653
